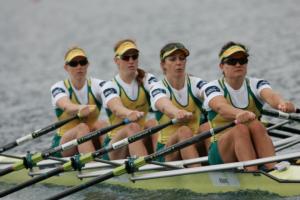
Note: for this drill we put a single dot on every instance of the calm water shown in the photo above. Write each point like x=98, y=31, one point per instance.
x=35, y=35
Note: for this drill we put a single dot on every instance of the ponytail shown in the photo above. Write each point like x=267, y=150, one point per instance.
x=140, y=76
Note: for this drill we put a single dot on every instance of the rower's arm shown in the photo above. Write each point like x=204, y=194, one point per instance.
x=117, y=108
x=65, y=104
x=276, y=101
x=164, y=105
x=221, y=106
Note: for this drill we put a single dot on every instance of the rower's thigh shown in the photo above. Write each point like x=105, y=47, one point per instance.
x=228, y=142
x=121, y=134
x=181, y=134
x=99, y=124
x=68, y=136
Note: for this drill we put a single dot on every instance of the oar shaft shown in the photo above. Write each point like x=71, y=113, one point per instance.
x=133, y=138
x=280, y=114
x=187, y=142
x=6, y=171
x=82, y=186
x=31, y=181
x=285, y=128
x=76, y=142
x=36, y=134
x=40, y=156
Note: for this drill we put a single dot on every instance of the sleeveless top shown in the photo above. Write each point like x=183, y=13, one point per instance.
x=90, y=120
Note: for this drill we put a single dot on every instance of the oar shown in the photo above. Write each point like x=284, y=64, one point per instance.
x=77, y=162
x=36, y=134
x=276, y=113
x=220, y=167
x=296, y=141
x=141, y=161
x=30, y=160
x=285, y=128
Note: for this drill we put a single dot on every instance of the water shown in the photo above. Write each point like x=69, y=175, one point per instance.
x=35, y=35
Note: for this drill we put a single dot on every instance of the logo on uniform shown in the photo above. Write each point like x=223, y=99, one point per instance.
x=211, y=89
x=109, y=91
x=151, y=80
x=57, y=91
x=102, y=83
x=261, y=83
x=158, y=91
x=200, y=84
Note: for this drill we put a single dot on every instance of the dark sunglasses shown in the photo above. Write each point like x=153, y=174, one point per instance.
x=75, y=63
x=234, y=61
x=127, y=57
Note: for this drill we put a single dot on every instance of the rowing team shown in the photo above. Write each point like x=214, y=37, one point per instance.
x=198, y=105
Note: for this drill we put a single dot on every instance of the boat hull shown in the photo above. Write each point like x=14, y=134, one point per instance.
x=204, y=183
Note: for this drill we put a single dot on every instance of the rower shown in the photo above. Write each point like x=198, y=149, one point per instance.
x=178, y=95
x=127, y=95
x=238, y=97
x=77, y=94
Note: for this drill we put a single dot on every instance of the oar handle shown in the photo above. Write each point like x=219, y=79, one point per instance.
x=275, y=113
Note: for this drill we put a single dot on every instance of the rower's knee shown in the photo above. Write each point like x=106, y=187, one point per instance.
x=151, y=123
x=133, y=128
x=257, y=128
x=100, y=124
x=82, y=130
x=184, y=132
x=241, y=132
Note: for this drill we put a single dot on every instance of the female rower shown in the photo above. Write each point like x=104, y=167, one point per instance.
x=238, y=97
x=178, y=95
x=77, y=95
x=129, y=88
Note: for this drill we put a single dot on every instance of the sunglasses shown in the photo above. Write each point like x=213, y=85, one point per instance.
x=75, y=63
x=127, y=57
x=234, y=61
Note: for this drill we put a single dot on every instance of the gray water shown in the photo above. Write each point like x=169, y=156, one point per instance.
x=35, y=34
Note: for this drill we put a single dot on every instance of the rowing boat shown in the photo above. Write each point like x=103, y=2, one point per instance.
x=204, y=180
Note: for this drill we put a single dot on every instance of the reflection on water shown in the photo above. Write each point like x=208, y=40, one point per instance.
x=36, y=33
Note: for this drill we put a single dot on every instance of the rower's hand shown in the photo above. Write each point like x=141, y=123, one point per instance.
x=287, y=106
x=135, y=115
x=85, y=110
x=245, y=116
x=183, y=115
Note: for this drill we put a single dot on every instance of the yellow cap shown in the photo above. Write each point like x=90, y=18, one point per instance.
x=233, y=49
x=125, y=46
x=74, y=52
